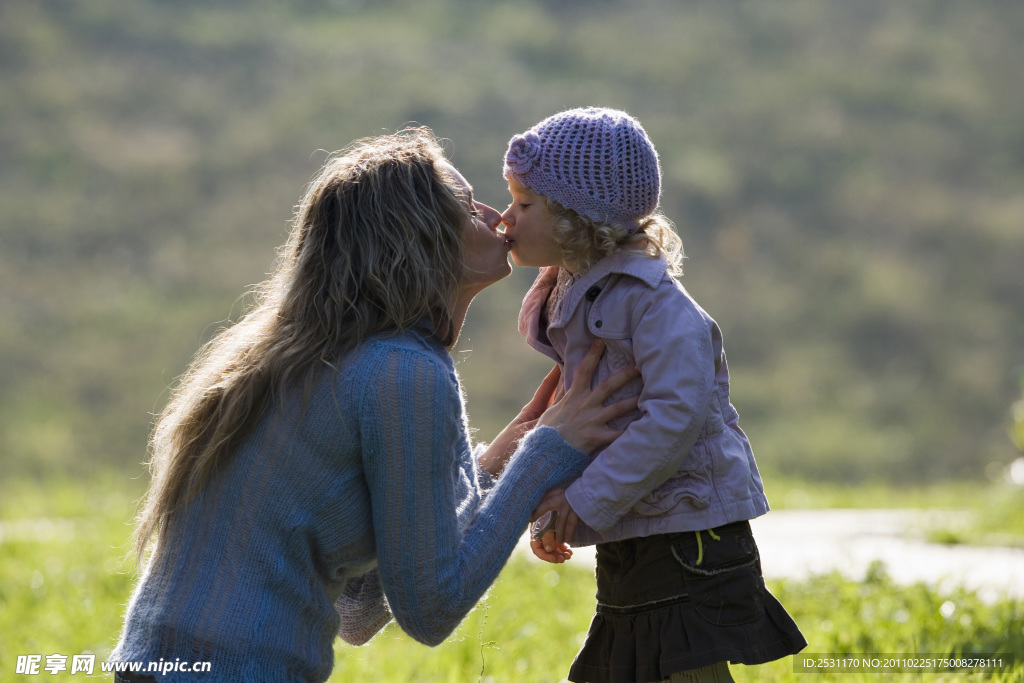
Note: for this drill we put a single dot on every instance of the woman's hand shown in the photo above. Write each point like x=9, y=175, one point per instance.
x=494, y=459
x=581, y=416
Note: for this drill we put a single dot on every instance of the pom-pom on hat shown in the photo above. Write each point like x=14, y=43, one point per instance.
x=598, y=162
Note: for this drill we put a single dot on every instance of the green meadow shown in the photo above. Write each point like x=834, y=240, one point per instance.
x=65, y=578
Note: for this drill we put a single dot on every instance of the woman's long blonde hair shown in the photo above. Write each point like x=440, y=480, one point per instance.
x=375, y=246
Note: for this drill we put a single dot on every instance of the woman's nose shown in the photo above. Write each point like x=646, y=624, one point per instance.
x=491, y=216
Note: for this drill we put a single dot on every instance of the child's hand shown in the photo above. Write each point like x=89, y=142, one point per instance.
x=561, y=553
x=552, y=547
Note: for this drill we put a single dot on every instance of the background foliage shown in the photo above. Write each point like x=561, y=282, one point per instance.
x=848, y=179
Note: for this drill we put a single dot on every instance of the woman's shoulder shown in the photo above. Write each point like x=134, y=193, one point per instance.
x=398, y=355
x=408, y=342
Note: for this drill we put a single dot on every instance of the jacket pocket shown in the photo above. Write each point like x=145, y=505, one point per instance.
x=691, y=486
x=619, y=354
x=726, y=587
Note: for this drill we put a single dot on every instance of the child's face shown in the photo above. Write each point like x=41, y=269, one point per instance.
x=529, y=228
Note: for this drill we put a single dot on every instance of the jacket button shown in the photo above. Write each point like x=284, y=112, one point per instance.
x=597, y=324
x=592, y=293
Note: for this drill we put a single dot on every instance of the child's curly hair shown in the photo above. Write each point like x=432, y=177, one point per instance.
x=584, y=242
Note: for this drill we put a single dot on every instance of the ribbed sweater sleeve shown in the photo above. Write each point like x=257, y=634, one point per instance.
x=362, y=609
x=441, y=543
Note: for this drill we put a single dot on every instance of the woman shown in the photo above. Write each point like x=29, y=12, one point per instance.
x=312, y=473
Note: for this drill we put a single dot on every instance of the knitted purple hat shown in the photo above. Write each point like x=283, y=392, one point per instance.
x=598, y=162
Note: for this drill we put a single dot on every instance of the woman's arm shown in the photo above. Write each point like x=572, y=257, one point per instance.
x=362, y=609
x=438, y=549
x=438, y=552
x=580, y=415
x=494, y=459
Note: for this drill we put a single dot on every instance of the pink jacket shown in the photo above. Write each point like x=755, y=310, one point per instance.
x=683, y=463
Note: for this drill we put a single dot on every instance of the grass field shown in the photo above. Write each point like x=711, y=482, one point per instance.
x=64, y=581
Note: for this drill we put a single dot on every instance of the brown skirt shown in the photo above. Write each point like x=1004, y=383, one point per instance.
x=680, y=601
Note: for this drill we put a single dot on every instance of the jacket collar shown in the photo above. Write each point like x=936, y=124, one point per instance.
x=648, y=270
x=644, y=268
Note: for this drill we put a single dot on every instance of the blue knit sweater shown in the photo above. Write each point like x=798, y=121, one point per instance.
x=371, y=490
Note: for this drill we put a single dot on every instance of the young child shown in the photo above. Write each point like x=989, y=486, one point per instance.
x=679, y=586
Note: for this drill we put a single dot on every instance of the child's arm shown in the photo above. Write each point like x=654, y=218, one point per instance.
x=674, y=347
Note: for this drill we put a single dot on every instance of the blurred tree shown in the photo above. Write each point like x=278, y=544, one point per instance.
x=847, y=179
x=1017, y=419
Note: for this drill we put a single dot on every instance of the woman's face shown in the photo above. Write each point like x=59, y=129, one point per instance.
x=484, y=250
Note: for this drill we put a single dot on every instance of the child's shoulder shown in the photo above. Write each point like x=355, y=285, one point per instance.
x=627, y=302
x=639, y=274
x=634, y=264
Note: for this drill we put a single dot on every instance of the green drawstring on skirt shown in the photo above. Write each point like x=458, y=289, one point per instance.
x=700, y=544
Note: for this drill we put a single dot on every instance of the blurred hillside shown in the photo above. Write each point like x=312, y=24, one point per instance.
x=848, y=179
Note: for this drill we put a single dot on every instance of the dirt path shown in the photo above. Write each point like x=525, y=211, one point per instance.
x=799, y=543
